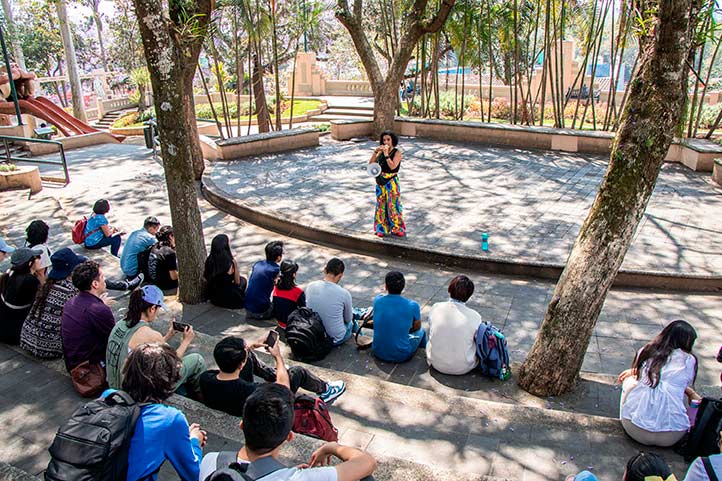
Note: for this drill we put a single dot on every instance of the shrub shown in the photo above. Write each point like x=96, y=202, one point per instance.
x=5, y=167
x=126, y=120
x=147, y=114
x=709, y=115
x=203, y=111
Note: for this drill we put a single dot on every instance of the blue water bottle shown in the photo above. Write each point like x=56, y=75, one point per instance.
x=484, y=241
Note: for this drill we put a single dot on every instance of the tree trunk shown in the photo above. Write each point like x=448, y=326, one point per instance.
x=385, y=101
x=264, y=118
x=17, y=49
x=71, y=62
x=653, y=112
x=171, y=62
x=101, y=45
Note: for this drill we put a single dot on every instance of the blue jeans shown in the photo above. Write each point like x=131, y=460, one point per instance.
x=112, y=241
x=351, y=329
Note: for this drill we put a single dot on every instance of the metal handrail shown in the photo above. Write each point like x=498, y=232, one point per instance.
x=63, y=161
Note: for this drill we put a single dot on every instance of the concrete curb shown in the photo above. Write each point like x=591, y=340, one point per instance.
x=486, y=264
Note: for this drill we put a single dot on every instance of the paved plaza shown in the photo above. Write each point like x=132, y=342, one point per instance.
x=419, y=423
x=530, y=202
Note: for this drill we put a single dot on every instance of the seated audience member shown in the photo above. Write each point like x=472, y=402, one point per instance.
x=162, y=261
x=582, y=476
x=452, y=328
x=18, y=287
x=647, y=467
x=261, y=282
x=287, y=296
x=150, y=375
x=40, y=335
x=228, y=388
x=332, y=302
x=86, y=320
x=705, y=468
x=98, y=232
x=652, y=405
x=36, y=237
x=397, y=323
x=226, y=287
x=136, y=329
x=137, y=242
x=267, y=422
x=5, y=250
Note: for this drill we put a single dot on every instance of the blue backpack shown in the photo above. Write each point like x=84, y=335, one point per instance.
x=492, y=352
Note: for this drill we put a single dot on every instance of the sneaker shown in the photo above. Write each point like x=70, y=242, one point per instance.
x=334, y=390
x=136, y=282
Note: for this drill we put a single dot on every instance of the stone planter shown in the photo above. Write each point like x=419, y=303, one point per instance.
x=717, y=171
x=22, y=176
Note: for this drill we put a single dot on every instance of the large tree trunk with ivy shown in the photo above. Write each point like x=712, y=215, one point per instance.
x=172, y=41
x=71, y=62
x=650, y=119
x=414, y=24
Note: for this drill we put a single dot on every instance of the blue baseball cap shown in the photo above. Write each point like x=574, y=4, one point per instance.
x=4, y=247
x=153, y=295
x=63, y=262
x=583, y=476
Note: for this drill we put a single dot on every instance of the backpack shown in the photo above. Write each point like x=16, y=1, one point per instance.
x=311, y=417
x=78, y=231
x=306, y=335
x=227, y=467
x=93, y=444
x=492, y=352
x=703, y=439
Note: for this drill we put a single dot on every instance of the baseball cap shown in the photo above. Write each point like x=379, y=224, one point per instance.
x=153, y=295
x=583, y=476
x=63, y=262
x=22, y=255
x=4, y=247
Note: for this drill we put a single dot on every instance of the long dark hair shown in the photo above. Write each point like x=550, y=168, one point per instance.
x=676, y=335
x=642, y=465
x=41, y=297
x=286, y=280
x=220, y=258
x=15, y=271
x=136, y=307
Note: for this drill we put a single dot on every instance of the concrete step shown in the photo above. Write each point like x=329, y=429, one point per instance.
x=349, y=112
x=326, y=117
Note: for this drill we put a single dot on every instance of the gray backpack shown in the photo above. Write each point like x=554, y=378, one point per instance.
x=229, y=469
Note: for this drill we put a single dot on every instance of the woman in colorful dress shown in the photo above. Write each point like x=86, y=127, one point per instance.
x=389, y=211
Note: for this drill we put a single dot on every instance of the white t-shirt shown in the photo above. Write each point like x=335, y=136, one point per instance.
x=662, y=408
x=696, y=471
x=333, y=304
x=45, y=256
x=322, y=473
x=451, y=348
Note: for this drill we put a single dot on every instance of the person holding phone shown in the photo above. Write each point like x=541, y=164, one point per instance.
x=136, y=329
x=228, y=387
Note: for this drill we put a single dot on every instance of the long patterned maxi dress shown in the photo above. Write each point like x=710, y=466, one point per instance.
x=389, y=217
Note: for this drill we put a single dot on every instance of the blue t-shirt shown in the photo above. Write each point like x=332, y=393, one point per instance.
x=95, y=221
x=394, y=316
x=137, y=242
x=260, y=286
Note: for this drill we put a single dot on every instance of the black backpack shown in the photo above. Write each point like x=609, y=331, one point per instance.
x=703, y=439
x=227, y=467
x=93, y=444
x=306, y=335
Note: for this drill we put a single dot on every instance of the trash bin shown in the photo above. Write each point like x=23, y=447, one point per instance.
x=148, y=134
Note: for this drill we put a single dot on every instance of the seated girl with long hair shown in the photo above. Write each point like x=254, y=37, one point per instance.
x=226, y=287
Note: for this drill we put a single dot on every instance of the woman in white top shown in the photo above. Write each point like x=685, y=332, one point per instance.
x=655, y=390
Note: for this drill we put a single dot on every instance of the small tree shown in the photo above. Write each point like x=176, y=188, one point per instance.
x=414, y=24
x=650, y=118
x=172, y=38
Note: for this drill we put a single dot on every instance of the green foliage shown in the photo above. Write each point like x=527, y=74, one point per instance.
x=203, y=111
x=5, y=167
x=126, y=120
x=147, y=114
x=709, y=114
x=140, y=77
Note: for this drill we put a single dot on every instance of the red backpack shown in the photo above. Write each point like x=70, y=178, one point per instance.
x=79, y=230
x=311, y=417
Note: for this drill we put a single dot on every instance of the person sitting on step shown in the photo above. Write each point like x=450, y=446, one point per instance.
x=333, y=303
x=228, y=387
x=98, y=232
x=162, y=265
x=647, y=467
x=226, y=287
x=261, y=281
x=18, y=287
x=138, y=241
x=287, y=296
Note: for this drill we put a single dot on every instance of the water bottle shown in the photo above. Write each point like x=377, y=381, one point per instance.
x=484, y=241
x=692, y=411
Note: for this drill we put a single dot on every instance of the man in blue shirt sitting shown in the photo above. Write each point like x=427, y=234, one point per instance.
x=397, y=323
x=261, y=281
x=138, y=241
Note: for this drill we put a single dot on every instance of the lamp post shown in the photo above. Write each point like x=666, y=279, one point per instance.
x=13, y=92
x=305, y=43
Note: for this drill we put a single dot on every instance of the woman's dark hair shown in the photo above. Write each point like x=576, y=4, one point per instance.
x=164, y=235
x=101, y=206
x=15, y=270
x=136, y=307
x=394, y=138
x=151, y=372
x=84, y=274
x=644, y=464
x=395, y=282
x=286, y=280
x=230, y=353
x=41, y=297
x=676, y=335
x=220, y=259
x=461, y=288
x=37, y=233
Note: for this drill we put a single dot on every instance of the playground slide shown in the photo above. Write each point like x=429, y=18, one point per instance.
x=77, y=125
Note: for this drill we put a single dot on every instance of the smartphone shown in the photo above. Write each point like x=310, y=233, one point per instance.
x=180, y=326
x=271, y=339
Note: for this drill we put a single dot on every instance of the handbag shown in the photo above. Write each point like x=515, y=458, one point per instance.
x=88, y=379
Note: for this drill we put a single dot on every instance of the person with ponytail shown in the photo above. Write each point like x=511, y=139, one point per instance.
x=656, y=389
x=136, y=329
x=287, y=296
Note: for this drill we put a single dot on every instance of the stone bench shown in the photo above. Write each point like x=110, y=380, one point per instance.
x=22, y=176
x=698, y=154
x=237, y=147
x=717, y=171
